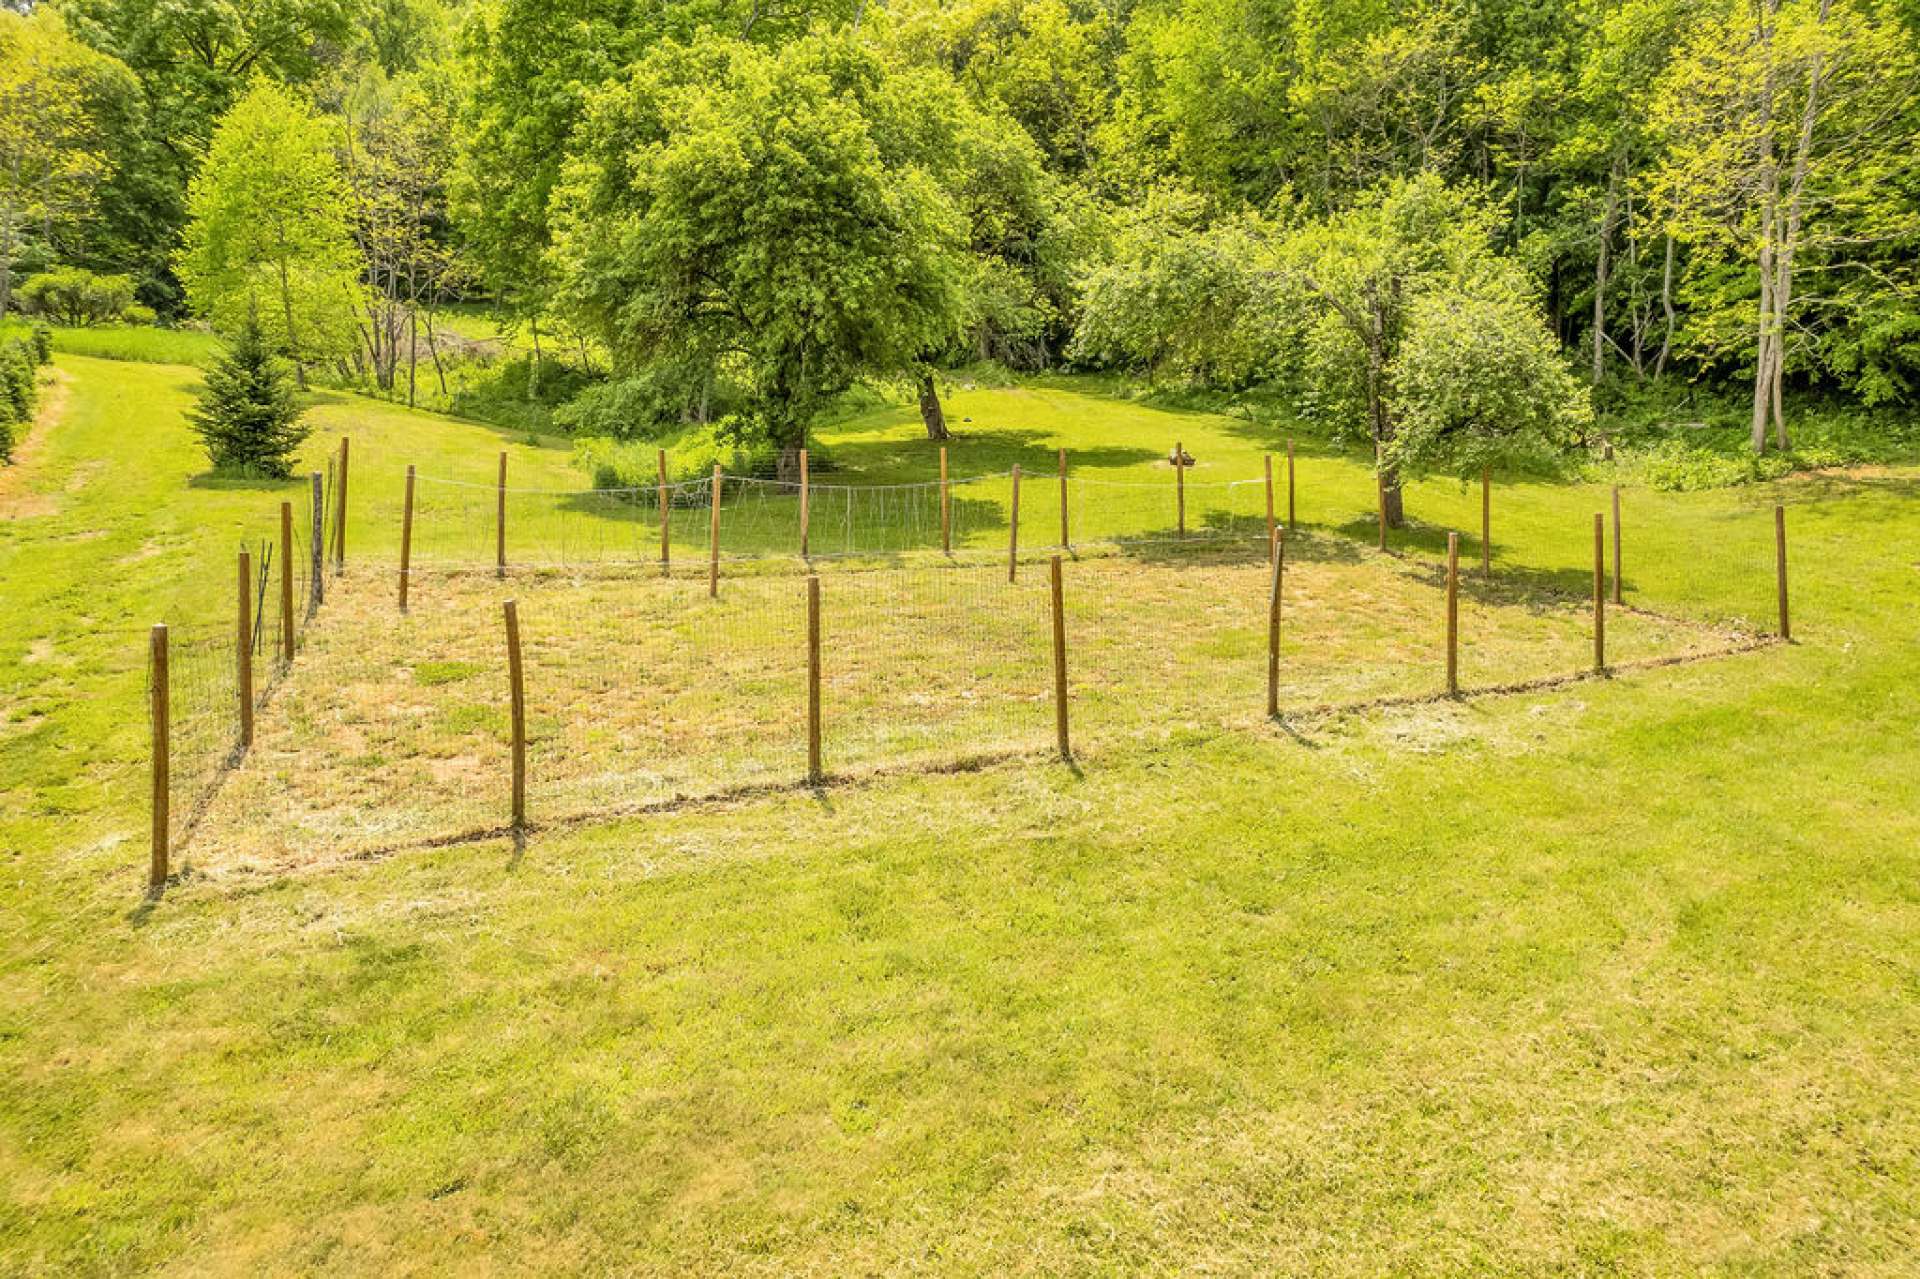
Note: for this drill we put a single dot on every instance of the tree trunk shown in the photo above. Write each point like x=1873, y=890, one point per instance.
x=413, y=353
x=433, y=349
x=1769, y=228
x=930, y=411
x=1666, y=305
x=1602, y=261
x=1790, y=237
x=787, y=467
x=286, y=311
x=533, y=375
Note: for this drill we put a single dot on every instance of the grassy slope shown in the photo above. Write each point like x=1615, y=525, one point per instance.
x=1618, y=979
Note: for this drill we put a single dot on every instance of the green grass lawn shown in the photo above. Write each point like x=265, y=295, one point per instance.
x=1616, y=979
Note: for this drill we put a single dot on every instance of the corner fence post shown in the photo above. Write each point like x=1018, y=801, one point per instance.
x=1453, y=614
x=406, y=540
x=244, y=652
x=815, y=773
x=1059, y=662
x=500, y=522
x=1599, y=591
x=666, y=520
x=162, y=754
x=286, y=582
x=805, y=504
x=1780, y=567
x=1013, y=529
x=1273, y=624
x=517, y=693
x=316, y=538
x=713, y=539
x=1618, y=596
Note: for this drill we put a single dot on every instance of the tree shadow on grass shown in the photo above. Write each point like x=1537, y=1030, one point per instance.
x=994, y=451
x=241, y=482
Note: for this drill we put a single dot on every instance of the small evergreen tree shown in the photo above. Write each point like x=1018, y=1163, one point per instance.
x=248, y=417
x=18, y=393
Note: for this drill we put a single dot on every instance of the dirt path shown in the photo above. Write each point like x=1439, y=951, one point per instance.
x=17, y=500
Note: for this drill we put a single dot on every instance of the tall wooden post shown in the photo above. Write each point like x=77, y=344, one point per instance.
x=1065, y=543
x=1780, y=567
x=805, y=496
x=1486, y=522
x=1013, y=528
x=517, y=693
x=1267, y=460
x=946, y=506
x=244, y=653
x=1273, y=624
x=500, y=523
x=286, y=581
x=406, y=541
x=1453, y=614
x=1618, y=597
x=666, y=520
x=815, y=773
x=713, y=538
x=1060, y=663
x=1289, y=486
x=162, y=755
x=1180, y=488
x=317, y=539
x=340, y=513
x=1599, y=591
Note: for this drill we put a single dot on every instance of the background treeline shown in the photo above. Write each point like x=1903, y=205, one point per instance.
x=1458, y=228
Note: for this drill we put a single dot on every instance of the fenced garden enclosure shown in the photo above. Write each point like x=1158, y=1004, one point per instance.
x=539, y=656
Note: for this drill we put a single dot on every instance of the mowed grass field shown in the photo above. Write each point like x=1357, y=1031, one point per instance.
x=1620, y=978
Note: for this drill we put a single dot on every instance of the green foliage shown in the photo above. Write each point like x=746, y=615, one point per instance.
x=521, y=393
x=248, y=417
x=78, y=298
x=692, y=452
x=19, y=392
x=269, y=242
x=42, y=341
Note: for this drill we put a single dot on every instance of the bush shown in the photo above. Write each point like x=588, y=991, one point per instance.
x=499, y=394
x=42, y=340
x=247, y=415
x=691, y=454
x=137, y=314
x=72, y=296
x=17, y=388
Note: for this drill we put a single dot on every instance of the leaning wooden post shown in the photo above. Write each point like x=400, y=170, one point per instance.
x=946, y=507
x=406, y=540
x=666, y=520
x=1065, y=543
x=244, y=656
x=713, y=538
x=1060, y=663
x=805, y=494
x=1618, y=598
x=162, y=755
x=1013, y=528
x=1273, y=624
x=1599, y=591
x=1289, y=486
x=815, y=774
x=517, y=693
x=286, y=581
x=316, y=538
x=1268, y=461
x=340, y=513
x=500, y=523
x=1453, y=615
x=1486, y=522
x=1180, y=488
x=1780, y=566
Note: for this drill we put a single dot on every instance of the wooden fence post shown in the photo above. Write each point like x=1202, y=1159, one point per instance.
x=340, y=513
x=517, y=692
x=666, y=520
x=1599, y=591
x=317, y=537
x=406, y=540
x=946, y=506
x=1618, y=597
x=805, y=496
x=1780, y=567
x=500, y=523
x=1273, y=624
x=1065, y=542
x=1013, y=529
x=713, y=538
x=1060, y=664
x=244, y=654
x=815, y=773
x=1486, y=522
x=1289, y=486
x=1453, y=615
x=286, y=582
x=162, y=755
x=1267, y=460
x=1180, y=488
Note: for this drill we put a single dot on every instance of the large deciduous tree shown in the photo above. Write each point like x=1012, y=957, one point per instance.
x=270, y=232
x=768, y=211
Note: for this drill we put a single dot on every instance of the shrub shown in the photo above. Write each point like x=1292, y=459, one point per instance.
x=247, y=416
x=17, y=388
x=691, y=455
x=137, y=314
x=42, y=344
x=73, y=296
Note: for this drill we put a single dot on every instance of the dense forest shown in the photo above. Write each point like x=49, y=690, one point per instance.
x=1466, y=230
